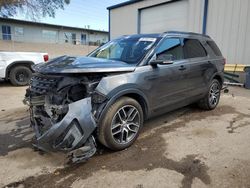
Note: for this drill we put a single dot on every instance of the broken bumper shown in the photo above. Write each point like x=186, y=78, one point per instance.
x=72, y=132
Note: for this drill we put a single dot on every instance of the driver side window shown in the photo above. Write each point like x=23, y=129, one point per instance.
x=170, y=49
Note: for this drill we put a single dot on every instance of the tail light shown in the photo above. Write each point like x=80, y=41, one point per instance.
x=46, y=58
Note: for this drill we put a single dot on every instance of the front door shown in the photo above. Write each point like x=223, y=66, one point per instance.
x=168, y=82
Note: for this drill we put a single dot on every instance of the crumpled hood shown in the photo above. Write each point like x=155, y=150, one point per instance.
x=67, y=64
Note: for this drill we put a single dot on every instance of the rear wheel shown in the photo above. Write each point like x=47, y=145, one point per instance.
x=121, y=125
x=211, y=100
x=20, y=75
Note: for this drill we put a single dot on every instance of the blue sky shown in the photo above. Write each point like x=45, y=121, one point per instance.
x=80, y=13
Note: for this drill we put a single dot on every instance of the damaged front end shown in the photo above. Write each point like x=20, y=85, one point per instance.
x=61, y=113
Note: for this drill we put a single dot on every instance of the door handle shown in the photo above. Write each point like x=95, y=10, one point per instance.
x=182, y=68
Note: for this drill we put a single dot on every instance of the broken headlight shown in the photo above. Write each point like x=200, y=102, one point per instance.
x=98, y=97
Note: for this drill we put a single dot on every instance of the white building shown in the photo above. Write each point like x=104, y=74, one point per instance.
x=226, y=21
x=35, y=32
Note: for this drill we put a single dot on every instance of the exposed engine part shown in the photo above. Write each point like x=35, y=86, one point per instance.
x=61, y=113
x=56, y=112
x=35, y=100
x=62, y=90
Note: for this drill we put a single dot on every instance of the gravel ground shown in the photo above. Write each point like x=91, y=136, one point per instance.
x=185, y=148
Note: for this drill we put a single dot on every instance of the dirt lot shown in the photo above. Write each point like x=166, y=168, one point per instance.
x=184, y=148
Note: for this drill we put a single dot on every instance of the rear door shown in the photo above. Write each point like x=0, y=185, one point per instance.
x=197, y=59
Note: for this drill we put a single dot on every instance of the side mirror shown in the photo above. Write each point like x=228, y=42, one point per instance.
x=155, y=62
x=162, y=59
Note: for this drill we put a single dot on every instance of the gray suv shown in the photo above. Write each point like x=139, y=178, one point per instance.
x=107, y=95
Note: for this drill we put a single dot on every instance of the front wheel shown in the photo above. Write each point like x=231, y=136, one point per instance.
x=211, y=100
x=121, y=125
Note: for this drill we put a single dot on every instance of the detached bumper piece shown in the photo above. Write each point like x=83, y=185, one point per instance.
x=83, y=153
x=72, y=134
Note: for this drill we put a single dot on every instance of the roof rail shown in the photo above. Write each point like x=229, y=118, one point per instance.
x=187, y=33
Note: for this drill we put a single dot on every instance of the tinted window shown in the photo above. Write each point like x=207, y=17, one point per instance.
x=193, y=48
x=170, y=49
x=214, y=47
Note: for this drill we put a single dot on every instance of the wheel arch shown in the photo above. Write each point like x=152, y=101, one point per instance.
x=219, y=78
x=132, y=93
x=17, y=63
x=141, y=100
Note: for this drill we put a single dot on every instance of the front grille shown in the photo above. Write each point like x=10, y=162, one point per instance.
x=42, y=84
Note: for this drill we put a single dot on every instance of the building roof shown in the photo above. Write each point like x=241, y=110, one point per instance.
x=123, y=4
x=10, y=20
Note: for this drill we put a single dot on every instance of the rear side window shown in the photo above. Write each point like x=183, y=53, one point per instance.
x=214, y=47
x=170, y=49
x=193, y=48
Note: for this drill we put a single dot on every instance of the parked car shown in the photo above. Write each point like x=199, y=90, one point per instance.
x=16, y=66
x=111, y=92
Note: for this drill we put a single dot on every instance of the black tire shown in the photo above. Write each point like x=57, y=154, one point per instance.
x=20, y=75
x=105, y=129
x=206, y=102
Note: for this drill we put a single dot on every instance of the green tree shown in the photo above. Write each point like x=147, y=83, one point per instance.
x=33, y=9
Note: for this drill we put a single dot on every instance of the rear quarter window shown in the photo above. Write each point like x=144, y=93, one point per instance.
x=193, y=48
x=214, y=47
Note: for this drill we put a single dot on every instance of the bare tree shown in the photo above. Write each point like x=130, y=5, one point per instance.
x=33, y=9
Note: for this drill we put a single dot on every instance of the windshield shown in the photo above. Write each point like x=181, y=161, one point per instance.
x=129, y=50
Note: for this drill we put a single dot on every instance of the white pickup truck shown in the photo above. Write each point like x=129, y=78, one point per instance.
x=16, y=66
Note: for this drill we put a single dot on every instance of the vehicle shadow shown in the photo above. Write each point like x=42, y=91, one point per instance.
x=4, y=83
x=21, y=134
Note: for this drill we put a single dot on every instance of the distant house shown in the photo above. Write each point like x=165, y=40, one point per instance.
x=35, y=32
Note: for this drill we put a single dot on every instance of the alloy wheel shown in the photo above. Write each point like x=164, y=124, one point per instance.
x=125, y=124
x=214, y=94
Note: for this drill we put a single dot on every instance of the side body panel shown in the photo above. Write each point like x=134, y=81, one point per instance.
x=161, y=88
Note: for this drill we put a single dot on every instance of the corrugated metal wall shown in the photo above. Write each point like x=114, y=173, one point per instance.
x=161, y=18
x=124, y=20
x=195, y=15
x=229, y=25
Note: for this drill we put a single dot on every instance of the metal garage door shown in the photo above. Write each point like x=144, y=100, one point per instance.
x=169, y=16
